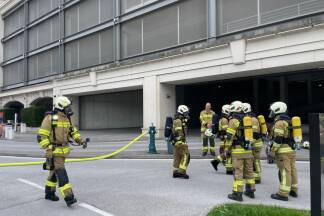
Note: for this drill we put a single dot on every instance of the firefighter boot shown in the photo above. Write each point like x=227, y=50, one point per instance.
x=229, y=172
x=70, y=200
x=215, y=163
x=184, y=176
x=293, y=194
x=50, y=195
x=249, y=192
x=279, y=197
x=236, y=196
x=176, y=175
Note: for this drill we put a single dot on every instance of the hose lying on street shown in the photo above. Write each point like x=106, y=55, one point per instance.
x=79, y=159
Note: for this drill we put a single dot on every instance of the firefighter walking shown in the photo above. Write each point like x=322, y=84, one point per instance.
x=54, y=137
x=239, y=137
x=206, y=117
x=224, y=157
x=286, y=134
x=181, y=156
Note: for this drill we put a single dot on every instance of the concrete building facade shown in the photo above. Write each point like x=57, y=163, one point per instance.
x=129, y=63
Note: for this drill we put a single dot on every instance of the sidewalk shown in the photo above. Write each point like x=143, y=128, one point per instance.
x=107, y=141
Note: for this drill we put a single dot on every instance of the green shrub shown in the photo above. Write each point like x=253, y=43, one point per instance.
x=8, y=114
x=33, y=116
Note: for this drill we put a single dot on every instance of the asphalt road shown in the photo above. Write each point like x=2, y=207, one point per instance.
x=125, y=187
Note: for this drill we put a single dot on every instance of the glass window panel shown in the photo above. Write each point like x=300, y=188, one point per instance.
x=13, y=73
x=89, y=51
x=14, y=21
x=33, y=67
x=44, y=6
x=71, y=21
x=89, y=14
x=44, y=64
x=106, y=10
x=236, y=15
x=127, y=5
x=278, y=10
x=14, y=47
x=193, y=20
x=55, y=4
x=160, y=29
x=55, y=61
x=71, y=56
x=55, y=28
x=33, y=10
x=32, y=38
x=131, y=38
x=44, y=33
x=107, y=46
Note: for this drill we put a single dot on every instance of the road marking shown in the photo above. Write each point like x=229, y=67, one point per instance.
x=94, y=209
x=83, y=205
x=30, y=183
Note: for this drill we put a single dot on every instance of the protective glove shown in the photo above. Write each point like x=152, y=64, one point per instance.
x=49, y=151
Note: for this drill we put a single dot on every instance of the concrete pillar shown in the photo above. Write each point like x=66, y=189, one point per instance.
x=159, y=101
x=76, y=110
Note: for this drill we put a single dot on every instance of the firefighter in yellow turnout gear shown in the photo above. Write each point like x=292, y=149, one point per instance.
x=181, y=156
x=206, y=117
x=223, y=157
x=239, y=137
x=257, y=143
x=283, y=148
x=53, y=136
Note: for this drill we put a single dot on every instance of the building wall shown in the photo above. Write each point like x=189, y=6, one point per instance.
x=113, y=110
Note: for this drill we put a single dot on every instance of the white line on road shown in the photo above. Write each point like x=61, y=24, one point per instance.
x=31, y=183
x=94, y=209
x=83, y=205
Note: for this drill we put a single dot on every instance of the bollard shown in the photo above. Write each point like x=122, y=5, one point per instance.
x=152, y=147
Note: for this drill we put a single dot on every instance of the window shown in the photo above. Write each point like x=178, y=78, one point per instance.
x=13, y=73
x=160, y=29
x=44, y=33
x=131, y=38
x=193, y=20
x=236, y=15
x=43, y=64
x=14, y=47
x=14, y=21
x=38, y=8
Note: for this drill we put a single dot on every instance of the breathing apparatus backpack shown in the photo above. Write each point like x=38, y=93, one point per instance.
x=263, y=126
x=248, y=132
x=296, y=133
x=168, y=134
x=245, y=137
x=295, y=130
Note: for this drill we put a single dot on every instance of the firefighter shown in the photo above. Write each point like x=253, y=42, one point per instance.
x=181, y=156
x=222, y=157
x=206, y=117
x=239, y=137
x=54, y=137
x=283, y=149
x=257, y=142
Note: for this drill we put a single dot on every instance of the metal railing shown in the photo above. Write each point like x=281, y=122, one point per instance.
x=272, y=16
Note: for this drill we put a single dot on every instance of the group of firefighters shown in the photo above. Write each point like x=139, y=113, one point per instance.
x=241, y=132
